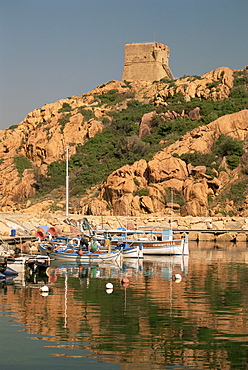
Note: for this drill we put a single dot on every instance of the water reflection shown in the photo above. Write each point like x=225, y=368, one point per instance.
x=153, y=317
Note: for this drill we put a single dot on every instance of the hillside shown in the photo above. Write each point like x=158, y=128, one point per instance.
x=135, y=148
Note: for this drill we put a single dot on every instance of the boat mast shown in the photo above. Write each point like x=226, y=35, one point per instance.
x=171, y=206
x=67, y=185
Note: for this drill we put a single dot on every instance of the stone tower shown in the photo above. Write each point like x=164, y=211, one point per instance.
x=146, y=61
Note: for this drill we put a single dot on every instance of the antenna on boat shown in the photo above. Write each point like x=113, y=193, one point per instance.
x=67, y=185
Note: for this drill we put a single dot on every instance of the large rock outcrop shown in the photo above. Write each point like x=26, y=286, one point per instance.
x=145, y=187
x=215, y=85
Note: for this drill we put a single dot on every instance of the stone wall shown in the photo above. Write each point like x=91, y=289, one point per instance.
x=214, y=229
x=199, y=229
x=146, y=61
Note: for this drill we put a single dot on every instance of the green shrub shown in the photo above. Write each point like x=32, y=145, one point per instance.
x=177, y=126
x=177, y=98
x=56, y=177
x=142, y=192
x=178, y=198
x=198, y=159
x=127, y=84
x=136, y=181
x=226, y=145
x=63, y=121
x=165, y=80
x=109, y=97
x=125, y=121
x=12, y=127
x=156, y=120
x=238, y=192
x=233, y=161
x=210, y=199
x=77, y=190
x=114, y=97
x=239, y=92
x=106, y=121
x=212, y=84
x=132, y=148
x=87, y=113
x=40, y=124
x=65, y=108
x=22, y=163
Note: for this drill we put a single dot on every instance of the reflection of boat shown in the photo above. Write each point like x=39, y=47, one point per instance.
x=6, y=280
x=19, y=263
x=73, y=266
x=27, y=280
x=37, y=263
x=16, y=263
x=165, y=266
x=131, y=264
x=81, y=271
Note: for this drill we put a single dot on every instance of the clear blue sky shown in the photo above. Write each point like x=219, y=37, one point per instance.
x=52, y=49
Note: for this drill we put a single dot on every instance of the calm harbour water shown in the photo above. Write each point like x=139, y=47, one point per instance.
x=155, y=322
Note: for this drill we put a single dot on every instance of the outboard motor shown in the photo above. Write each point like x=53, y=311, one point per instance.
x=49, y=248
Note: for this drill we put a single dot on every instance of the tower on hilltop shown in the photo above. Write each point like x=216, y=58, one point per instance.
x=146, y=61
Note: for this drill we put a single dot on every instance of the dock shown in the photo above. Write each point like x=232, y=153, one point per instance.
x=20, y=239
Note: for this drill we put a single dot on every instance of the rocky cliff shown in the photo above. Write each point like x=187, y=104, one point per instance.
x=122, y=190
x=144, y=187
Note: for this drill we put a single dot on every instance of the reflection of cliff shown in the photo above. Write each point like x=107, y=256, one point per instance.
x=155, y=320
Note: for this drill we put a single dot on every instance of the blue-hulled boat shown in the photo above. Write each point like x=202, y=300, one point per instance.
x=67, y=252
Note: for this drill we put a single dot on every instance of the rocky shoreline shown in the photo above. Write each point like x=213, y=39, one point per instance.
x=234, y=229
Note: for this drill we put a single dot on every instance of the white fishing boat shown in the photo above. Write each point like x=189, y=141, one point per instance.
x=153, y=242
x=132, y=251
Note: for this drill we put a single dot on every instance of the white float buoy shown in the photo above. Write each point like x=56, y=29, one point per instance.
x=44, y=288
x=109, y=290
x=44, y=294
x=109, y=286
x=178, y=278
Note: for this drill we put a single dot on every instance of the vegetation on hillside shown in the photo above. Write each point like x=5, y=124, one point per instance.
x=119, y=143
x=22, y=163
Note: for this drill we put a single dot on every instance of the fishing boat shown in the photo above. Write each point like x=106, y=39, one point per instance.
x=71, y=254
x=153, y=242
x=85, y=241
x=132, y=251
